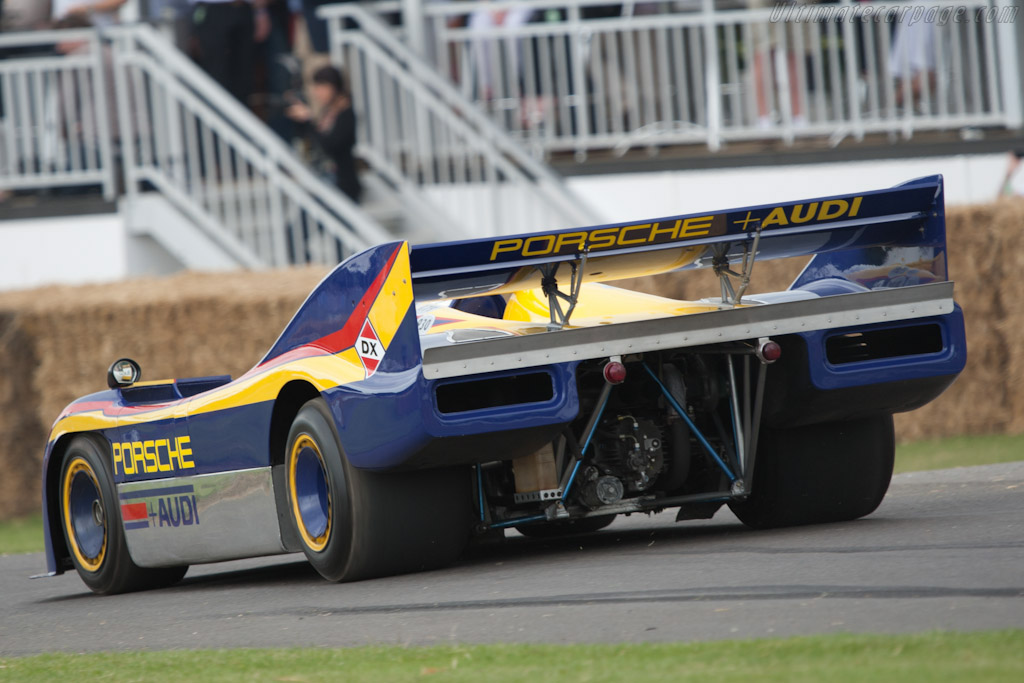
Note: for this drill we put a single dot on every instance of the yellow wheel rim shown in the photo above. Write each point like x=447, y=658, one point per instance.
x=309, y=492
x=85, y=518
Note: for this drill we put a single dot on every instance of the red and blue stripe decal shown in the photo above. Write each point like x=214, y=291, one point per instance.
x=137, y=515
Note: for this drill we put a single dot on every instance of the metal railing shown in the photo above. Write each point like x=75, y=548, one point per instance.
x=437, y=150
x=75, y=103
x=221, y=166
x=563, y=75
x=54, y=114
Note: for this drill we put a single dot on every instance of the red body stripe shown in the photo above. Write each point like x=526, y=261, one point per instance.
x=332, y=343
x=345, y=337
x=133, y=511
x=84, y=406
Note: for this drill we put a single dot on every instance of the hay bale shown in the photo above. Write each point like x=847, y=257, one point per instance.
x=986, y=253
x=58, y=342
x=1009, y=293
x=985, y=245
x=768, y=276
x=20, y=423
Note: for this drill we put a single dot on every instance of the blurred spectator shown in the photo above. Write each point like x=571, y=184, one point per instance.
x=23, y=15
x=1013, y=183
x=172, y=16
x=98, y=12
x=155, y=10
x=283, y=80
x=333, y=131
x=316, y=26
x=771, y=65
x=224, y=35
x=487, y=48
x=912, y=59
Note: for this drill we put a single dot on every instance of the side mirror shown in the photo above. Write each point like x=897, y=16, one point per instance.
x=123, y=372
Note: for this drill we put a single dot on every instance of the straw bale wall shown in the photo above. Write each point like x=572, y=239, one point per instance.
x=56, y=342
x=986, y=260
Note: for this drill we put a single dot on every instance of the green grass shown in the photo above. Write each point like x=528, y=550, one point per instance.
x=26, y=535
x=959, y=451
x=990, y=656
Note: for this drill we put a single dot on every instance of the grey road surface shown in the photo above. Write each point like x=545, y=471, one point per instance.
x=944, y=551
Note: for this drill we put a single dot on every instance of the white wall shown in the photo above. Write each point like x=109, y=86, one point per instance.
x=628, y=196
x=76, y=250
x=67, y=250
x=82, y=249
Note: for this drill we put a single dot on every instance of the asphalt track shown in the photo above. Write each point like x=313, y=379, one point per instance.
x=944, y=551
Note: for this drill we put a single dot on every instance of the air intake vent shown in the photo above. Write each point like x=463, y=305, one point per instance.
x=856, y=347
x=460, y=397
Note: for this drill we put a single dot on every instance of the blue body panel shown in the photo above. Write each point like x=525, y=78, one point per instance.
x=950, y=360
x=335, y=300
x=384, y=420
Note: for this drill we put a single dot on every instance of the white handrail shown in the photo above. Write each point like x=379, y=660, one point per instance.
x=226, y=167
x=713, y=72
x=179, y=133
x=420, y=131
x=55, y=128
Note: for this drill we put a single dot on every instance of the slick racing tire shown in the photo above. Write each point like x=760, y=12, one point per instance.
x=354, y=524
x=567, y=527
x=91, y=520
x=829, y=472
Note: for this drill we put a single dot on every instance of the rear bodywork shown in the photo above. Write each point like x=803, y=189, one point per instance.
x=449, y=355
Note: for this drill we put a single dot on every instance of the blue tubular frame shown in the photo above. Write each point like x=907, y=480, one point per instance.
x=480, y=490
x=735, y=436
x=700, y=436
x=583, y=451
x=520, y=520
x=568, y=486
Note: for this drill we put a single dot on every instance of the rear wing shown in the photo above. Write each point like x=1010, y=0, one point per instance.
x=880, y=239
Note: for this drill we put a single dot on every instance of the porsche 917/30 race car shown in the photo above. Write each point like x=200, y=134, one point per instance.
x=425, y=395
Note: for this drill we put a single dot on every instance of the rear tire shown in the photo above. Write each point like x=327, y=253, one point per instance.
x=354, y=524
x=91, y=520
x=567, y=527
x=829, y=472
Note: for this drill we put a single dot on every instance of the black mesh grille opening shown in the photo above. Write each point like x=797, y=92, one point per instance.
x=856, y=347
x=153, y=393
x=459, y=397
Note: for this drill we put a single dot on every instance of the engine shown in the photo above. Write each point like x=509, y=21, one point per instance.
x=628, y=457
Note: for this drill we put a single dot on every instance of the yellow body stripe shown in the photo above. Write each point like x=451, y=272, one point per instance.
x=323, y=372
x=601, y=304
x=394, y=299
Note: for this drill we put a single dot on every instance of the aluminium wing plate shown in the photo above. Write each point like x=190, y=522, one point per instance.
x=831, y=312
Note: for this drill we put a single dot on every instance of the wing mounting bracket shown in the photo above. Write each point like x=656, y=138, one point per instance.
x=731, y=297
x=549, y=285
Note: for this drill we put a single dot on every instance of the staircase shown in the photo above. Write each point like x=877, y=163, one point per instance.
x=220, y=167
x=198, y=173
x=443, y=159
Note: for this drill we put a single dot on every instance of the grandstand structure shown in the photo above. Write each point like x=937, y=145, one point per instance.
x=471, y=115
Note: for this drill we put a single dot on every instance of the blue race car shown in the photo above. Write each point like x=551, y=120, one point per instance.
x=423, y=396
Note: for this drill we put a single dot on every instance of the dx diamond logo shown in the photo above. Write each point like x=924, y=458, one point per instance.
x=369, y=348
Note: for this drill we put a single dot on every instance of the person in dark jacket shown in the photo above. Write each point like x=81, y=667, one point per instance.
x=333, y=131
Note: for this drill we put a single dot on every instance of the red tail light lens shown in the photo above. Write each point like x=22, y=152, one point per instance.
x=769, y=352
x=614, y=372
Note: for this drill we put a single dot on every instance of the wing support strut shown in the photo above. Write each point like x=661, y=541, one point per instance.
x=549, y=284
x=731, y=297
